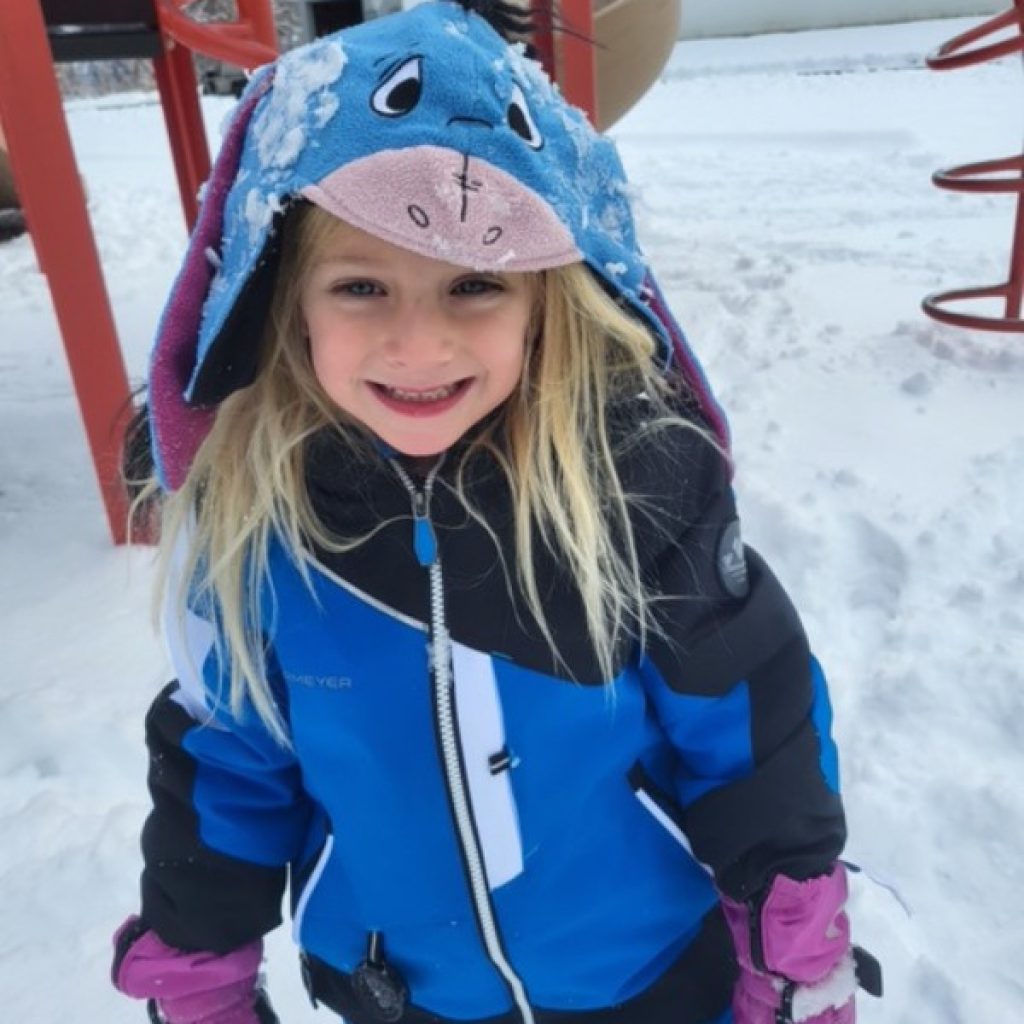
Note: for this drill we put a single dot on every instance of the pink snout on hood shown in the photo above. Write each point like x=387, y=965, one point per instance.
x=448, y=206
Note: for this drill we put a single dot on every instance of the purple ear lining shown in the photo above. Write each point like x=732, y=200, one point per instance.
x=692, y=370
x=179, y=429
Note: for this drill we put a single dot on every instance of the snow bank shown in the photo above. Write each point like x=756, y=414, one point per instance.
x=880, y=469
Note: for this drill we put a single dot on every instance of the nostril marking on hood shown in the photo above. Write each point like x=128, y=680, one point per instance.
x=492, y=234
x=470, y=120
x=418, y=215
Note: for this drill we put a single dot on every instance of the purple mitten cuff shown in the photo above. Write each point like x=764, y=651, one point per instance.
x=760, y=998
x=232, y=1004
x=189, y=987
x=802, y=927
x=793, y=948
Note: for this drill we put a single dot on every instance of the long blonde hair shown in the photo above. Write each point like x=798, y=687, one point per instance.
x=551, y=439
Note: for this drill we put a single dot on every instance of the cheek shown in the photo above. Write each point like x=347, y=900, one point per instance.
x=331, y=357
x=318, y=360
x=333, y=339
x=506, y=360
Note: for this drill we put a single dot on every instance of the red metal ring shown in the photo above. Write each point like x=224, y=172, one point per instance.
x=972, y=177
x=952, y=55
x=934, y=305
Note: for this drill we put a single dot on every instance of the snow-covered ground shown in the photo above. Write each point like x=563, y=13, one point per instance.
x=783, y=191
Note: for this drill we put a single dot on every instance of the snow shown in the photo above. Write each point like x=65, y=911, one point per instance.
x=784, y=197
x=279, y=128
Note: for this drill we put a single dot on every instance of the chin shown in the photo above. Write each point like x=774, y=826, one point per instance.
x=416, y=448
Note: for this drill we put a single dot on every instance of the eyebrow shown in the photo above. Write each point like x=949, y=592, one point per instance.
x=355, y=258
x=396, y=59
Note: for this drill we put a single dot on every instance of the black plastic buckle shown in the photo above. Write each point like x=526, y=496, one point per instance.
x=379, y=987
x=868, y=971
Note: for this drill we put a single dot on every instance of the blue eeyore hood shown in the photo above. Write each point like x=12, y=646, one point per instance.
x=425, y=128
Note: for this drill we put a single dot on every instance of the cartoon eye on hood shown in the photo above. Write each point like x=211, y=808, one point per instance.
x=521, y=120
x=399, y=93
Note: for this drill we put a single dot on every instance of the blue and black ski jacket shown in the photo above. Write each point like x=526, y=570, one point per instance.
x=475, y=830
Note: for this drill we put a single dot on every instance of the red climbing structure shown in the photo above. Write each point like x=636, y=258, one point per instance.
x=35, y=34
x=32, y=37
x=574, y=68
x=998, y=37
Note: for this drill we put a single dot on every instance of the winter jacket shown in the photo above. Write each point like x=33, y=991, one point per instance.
x=510, y=836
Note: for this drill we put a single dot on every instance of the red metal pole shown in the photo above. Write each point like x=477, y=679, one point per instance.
x=259, y=14
x=578, y=76
x=51, y=193
x=179, y=98
x=1015, y=282
x=247, y=42
x=543, y=37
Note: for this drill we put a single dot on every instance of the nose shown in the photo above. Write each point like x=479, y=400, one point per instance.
x=420, y=336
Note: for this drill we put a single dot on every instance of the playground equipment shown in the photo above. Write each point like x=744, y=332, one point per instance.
x=1001, y=175
x=633, y=40
x=32, y=37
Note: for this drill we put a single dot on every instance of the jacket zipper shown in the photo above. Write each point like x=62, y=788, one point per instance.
x=754, y=907
x=425, y=545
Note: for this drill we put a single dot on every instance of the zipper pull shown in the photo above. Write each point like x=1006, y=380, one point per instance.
x=424, y=541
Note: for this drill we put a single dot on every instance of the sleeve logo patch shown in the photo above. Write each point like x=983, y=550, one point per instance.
x=731, y=562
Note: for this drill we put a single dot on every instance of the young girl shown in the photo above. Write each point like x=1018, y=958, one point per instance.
x=469, y=650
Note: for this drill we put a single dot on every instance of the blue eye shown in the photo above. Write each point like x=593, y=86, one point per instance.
x=473, y=286
x=356, y=289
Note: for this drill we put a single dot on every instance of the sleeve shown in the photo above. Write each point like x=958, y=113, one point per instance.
x=744, y=703
x=229, y=811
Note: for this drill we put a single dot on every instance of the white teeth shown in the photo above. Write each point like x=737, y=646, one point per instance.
x=422, y=396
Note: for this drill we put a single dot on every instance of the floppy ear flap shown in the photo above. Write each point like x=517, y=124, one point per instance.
x=177, y=427
x=684, y=358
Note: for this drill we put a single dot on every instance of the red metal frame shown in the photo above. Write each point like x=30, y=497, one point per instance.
x=565, y=46
x=1002, y=175
x=51, y=194
x=246, y=42
x=50, y=188
x=578, y=78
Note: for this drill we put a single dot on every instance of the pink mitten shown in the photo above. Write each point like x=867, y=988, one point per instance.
x=796, y=961
x=190, y=988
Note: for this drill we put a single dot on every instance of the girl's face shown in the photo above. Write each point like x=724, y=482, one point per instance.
x=416, y=349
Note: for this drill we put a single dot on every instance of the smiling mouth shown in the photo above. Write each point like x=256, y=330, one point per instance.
x=435, y=394
x=413, y=400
